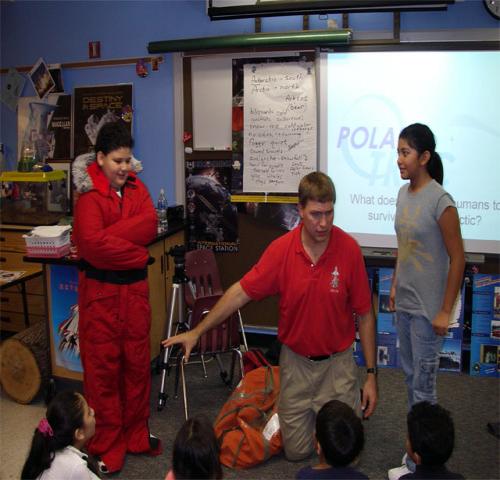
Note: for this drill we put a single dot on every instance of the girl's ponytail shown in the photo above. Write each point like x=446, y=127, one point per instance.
x=41, y=454
x=435, y=167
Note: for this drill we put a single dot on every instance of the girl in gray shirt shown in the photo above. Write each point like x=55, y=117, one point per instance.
x=430, y=263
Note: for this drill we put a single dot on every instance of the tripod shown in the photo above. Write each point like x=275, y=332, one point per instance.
x=179, y=281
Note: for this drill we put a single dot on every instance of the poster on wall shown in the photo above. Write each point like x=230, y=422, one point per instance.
x=273, y=123
x=279, y=141
x=45, y=126
x=212, y=218
x=93, y=107
x=64, y=319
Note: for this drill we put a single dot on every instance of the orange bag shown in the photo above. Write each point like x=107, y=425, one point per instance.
x=247, y=426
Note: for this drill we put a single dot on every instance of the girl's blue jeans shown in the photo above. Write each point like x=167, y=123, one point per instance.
x=419, y=349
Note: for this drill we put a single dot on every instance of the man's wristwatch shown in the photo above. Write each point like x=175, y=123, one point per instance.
x=372, y=370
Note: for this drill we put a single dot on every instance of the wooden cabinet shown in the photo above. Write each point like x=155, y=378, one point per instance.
x=15, y=315
x=160, y=275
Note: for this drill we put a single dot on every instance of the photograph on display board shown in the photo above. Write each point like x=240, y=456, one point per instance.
x=387, y=351
x=45, y=127
x=95, y=106
x=484, y=357
x=450, y=356
x=212, y=218
x=64, y=325
x=495, y=329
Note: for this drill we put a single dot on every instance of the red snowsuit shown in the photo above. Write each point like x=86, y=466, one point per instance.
x=111, y=234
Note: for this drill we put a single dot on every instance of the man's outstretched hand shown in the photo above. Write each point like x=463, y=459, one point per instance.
x=188, y=340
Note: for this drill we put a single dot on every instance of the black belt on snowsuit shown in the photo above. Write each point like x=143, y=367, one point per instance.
x=118, y=277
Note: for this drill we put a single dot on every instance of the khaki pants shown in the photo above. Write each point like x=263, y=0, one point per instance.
x=305, y=387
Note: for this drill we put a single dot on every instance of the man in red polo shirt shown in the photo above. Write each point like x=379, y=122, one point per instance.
x=318, y=271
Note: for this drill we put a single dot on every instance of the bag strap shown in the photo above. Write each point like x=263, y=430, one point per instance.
x=236, y=410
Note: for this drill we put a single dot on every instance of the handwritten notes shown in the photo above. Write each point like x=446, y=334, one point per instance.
x=279, y=145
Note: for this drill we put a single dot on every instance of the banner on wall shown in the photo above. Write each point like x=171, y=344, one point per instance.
x=95, y=106
x=64, y=317
x=212, y=218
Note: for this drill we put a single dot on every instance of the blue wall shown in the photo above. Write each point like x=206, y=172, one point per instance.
x=59, y=31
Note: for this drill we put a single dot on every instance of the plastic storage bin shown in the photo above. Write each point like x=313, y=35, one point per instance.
x=48, y=241
x=33, y=198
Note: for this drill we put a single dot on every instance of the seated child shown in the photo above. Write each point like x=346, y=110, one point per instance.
x=431, y=437
x=339, y=441
x=56, y=446
x=196, y=451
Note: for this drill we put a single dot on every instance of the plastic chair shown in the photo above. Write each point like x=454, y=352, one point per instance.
x=201, y=294
x=203, y=275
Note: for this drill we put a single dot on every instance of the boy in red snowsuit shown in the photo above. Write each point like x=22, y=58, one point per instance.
x=114, y=221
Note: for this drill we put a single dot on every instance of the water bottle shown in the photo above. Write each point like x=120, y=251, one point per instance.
x=161, y=209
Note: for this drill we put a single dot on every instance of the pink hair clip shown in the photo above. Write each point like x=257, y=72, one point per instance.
x=44, y=428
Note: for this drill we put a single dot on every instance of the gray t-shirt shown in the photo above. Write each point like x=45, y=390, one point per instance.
x=423, y=261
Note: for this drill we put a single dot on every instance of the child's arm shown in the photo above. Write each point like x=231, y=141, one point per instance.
x=98, y=247
x=141, y=227
x=449, y=224
x=392, y=294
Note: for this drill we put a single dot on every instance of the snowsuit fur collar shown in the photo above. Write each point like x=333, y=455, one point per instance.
x=87, y=175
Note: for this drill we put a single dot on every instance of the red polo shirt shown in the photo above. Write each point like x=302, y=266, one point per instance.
x=317, y=302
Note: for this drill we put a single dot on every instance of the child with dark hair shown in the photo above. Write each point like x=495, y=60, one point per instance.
x=429, y=267
x=114, y=222
x=430, y=442
x=339, y=441
x=56, y=446
x=196, y=451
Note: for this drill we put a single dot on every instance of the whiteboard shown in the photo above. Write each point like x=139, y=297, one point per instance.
x=212, y=96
